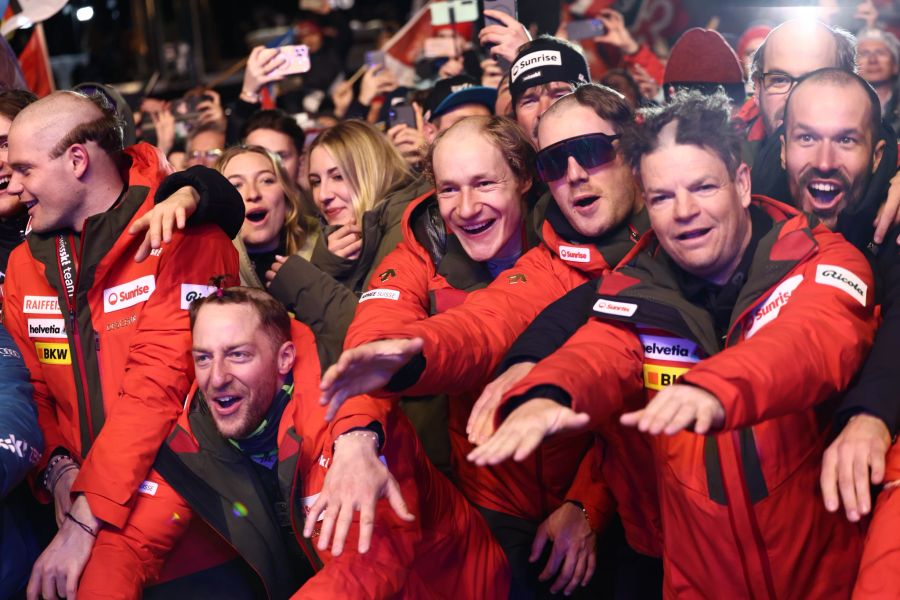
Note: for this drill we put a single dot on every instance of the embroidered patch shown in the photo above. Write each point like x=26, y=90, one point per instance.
x=842, y=279
x=42, y=305
x=657, y=377
x=535, y=60
x=771, y=307
x=575, y=254
x=670, y=349
x=128, y=294
x=380, y=294
x=47, y=328
x=194, y=291
x=622, y=309
x=53, y=354
x=148, y=488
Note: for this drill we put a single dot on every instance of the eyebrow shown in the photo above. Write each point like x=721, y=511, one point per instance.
x=845, y=131
x=197, y=349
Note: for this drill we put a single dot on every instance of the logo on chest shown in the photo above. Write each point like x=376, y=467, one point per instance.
x=575, y=254
x=666, y=359
x=47, y=328
x=53, y=354
x=769, y=309
x=128, y=294
x=42, y=305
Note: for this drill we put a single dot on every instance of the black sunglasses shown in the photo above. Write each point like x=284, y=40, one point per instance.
x=589, y=151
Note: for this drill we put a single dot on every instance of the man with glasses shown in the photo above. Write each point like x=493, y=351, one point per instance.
x=205, y=145
x=105, y=338
x=878, y=54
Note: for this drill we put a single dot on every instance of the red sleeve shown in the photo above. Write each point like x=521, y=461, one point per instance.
x=590, y=490
x=599, y=367
x=397, y=296
x=879, y=569
x=360, y=411
x=15, y=322
x=464, y=345
x=123, y=561
x=157, y=377
x=811, y=350
x=648, y=60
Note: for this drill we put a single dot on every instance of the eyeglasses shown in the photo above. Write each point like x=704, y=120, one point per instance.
x=213, y=154
x=589, y=151
x=776, y=82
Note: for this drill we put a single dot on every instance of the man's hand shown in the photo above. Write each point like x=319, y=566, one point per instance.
x=355, y=481
x=342, y=96
x=211, y=111
x=272, y=273
x=262, y=65
x=346, y=241
x=676, y=408
x=506, y=37
x=161, y=220
x=574, y=546
x=481, y=420
x=889, y=212
x=409, y=142
x=164, y=124
x=376, y=81
x=59, y=567
x=365, y=369
x=524, y=430
x=861, y=446
x=62, y=493
x=616, y=32
x=647, y=85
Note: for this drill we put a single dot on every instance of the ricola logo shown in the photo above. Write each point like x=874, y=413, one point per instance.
x=844, y=280
x=535, y=60
x=194, y=291
x=575, y=254
x=128, y=294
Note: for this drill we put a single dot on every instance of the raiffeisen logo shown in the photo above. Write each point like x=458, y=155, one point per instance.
x=534, y=60
x=128, y=294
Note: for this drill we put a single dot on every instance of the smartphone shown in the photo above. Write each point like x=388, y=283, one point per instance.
x=185, y=108
x=374, y=58
x=464, y=11
x=505, y=6
x=296, y=59
x=584, y=29
x=401, y=113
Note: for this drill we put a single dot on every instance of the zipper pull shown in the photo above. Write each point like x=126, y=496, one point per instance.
x=97, y=341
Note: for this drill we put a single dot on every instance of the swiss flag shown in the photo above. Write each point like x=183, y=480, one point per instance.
x=34, y=59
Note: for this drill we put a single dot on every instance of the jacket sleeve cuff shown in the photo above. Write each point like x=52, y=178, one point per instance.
x=408, y=375
x=105, y=509
x=551, y=392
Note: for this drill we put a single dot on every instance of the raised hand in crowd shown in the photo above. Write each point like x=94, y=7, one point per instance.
x=481, y=420
x=376, y=81
x=617, y=33
x=889, y=212
x=262, y=69
x=491, y=73
x=676, y=408
x=365, y=369
x=211, y=110
x=409, y=142
x=647, y=84
x=164, y=124
x=574, y=551
x=355, y=480
x=524, y=430
x=346, y=241
x=342, y=96
x=855, y=459
x=506, y=37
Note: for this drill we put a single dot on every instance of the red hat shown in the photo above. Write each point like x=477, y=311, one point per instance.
x=702, y=56
x=754, y=33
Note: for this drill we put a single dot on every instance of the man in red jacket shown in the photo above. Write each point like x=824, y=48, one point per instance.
x=105, y=338
x=249, y=456
x=714, y=333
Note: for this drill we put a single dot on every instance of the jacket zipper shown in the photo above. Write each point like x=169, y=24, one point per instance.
x=79, y=355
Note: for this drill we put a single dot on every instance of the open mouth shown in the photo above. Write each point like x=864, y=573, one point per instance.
x=227, y=404
x=255, y=216
x=4, y=182
x=585, y=201
x=478, y=228
x=824, y=194
x=30, y=204
x=693, y=234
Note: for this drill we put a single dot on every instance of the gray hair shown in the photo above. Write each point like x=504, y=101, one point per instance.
x=843, y=39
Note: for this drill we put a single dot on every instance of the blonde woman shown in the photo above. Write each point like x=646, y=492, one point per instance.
x=273, y=222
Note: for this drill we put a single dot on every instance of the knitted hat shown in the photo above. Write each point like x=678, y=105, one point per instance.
x=547, y=60
x=702, y=56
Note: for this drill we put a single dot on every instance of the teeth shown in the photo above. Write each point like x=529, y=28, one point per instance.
x=477, y=228
x=30, y=203
x=824, y=187
x=226, y=401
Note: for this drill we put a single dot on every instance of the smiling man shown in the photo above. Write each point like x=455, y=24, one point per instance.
x=715, y=325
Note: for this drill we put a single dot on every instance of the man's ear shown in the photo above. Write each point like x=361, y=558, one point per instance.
x=286, y=356
x=78, y=157
x=742, y=181
x=429, y=131
x=877, y=154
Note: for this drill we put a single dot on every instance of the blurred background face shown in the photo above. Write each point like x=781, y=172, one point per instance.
x=9, y=203
x=330, y=188
x=280, y=144
x=876, y=63
x=205, y=148
x=479, y=196
x=265, y=205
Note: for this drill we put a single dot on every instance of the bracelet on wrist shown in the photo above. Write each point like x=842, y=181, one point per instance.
x=60, y=472
x=48, y=471
x=84, y=526
x=249, y=97
x=358, y=433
